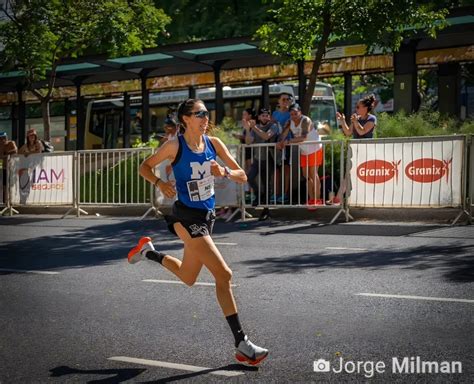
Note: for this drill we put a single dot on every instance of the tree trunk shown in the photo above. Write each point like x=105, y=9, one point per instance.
x=46, y=119
x=320, y=51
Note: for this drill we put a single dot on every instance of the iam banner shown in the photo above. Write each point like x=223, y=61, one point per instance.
x=41, y=179
x=406, y=174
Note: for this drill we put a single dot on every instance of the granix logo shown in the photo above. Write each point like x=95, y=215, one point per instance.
x=428, y=170
x=378, y=171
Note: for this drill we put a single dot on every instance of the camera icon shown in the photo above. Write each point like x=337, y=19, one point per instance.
x=321, y=365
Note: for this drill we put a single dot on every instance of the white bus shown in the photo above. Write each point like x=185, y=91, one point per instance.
x=104, y=118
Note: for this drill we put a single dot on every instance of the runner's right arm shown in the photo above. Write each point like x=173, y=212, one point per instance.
x=167, y=151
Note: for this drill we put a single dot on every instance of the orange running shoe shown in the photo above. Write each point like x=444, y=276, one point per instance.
x=138, y=253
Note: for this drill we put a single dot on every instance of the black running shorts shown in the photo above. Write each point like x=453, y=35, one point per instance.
x=198, y=222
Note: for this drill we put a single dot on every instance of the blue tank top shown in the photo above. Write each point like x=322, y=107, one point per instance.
x=192, y=171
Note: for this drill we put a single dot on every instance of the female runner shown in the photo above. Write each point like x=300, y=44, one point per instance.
x=193, y=157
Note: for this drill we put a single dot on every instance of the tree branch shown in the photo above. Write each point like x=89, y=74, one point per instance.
x=13, y=19
x=321, y=49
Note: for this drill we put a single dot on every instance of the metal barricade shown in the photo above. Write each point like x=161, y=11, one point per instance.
x=111, y=178
x=284, y=178
x=421, y=172
x=3, y=179
x=470, y=172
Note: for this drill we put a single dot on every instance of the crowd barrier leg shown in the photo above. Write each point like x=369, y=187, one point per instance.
x=344, y=179
x=465, y=175
x=75, y=208
x=153, y=207
x=8, y=206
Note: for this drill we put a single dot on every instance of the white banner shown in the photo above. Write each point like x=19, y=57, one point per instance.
x=406, y=174
x=41, y=179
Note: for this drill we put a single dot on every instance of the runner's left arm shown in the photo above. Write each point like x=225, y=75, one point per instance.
x=237, y=174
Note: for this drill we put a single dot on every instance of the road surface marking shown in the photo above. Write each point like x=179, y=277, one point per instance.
x=346, y=249
x=165, y=242
x=29, y=271
x=416, y=297
x=184, y=367
x=180, y=282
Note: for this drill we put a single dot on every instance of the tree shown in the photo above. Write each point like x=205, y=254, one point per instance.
x=209, y=19
x=299, y=27
x=38, y=35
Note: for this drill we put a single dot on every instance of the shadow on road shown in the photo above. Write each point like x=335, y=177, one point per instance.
x=77, y=245
x=123, y=374
x=119, y=374
x=456, y=263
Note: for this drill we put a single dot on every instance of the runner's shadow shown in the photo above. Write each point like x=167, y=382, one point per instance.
x=230, y=367
x=120, y=374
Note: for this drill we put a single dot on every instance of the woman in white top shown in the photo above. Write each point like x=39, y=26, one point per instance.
x=301, y=126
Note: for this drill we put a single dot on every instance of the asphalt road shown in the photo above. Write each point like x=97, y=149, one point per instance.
x=73, y=310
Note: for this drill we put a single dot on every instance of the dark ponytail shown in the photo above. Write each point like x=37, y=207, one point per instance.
x=185, y=108
x=369, y=102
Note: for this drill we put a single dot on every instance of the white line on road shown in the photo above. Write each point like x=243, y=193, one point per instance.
x=180, y=282
x=164, y=364
x=165, y=242
x=29, y=271
x=346, y=249
x=416, y=297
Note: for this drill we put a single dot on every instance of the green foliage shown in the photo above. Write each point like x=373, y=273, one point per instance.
x=297, y=25
x=467, y=127
x=420, y=124
x=225, y=129
x=209, y=19
x=41, y=33
x=151, y=143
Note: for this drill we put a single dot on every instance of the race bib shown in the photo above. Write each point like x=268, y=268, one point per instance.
x=200, y=190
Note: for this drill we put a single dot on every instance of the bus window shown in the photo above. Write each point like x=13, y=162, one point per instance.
x=322, y=111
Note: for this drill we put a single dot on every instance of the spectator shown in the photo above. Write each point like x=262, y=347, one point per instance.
x=266, y=131
x=363, y=124
x=301, y=126
x=32, y=145
x=282, y=116
x=171, y=130
x=7, y=147
x=248, y=118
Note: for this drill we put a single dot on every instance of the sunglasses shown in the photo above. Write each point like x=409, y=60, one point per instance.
x=201, y=114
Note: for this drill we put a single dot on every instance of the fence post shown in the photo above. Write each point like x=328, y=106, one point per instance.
x=11, y=210
x=467, y=181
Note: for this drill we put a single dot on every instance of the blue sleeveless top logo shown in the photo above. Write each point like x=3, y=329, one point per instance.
x=194, y=181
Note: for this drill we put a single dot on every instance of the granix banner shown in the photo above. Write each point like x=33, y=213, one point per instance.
x=407, y=173
x=40, y=179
